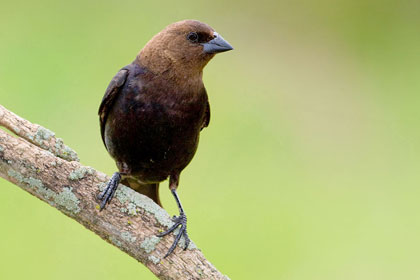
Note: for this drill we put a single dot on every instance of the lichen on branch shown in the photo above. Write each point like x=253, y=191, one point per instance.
x=42, y=165
x=36, y=134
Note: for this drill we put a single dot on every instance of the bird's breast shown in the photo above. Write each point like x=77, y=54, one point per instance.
x=155, y=129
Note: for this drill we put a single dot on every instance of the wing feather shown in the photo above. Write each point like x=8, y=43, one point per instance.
x=206, y=120
x=110, y=96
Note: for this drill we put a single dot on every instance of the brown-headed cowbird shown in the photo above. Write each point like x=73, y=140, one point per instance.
x=154, y=109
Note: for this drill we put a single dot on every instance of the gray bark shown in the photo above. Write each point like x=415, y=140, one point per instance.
x=42, y=165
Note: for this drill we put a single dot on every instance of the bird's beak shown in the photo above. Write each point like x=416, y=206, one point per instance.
x=217, y=45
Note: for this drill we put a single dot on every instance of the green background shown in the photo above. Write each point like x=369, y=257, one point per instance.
x=309, y=168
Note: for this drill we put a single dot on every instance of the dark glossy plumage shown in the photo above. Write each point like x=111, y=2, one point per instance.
x=154, y=109
x=150, y=125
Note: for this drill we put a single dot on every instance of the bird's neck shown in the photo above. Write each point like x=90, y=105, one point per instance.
x=164, y=64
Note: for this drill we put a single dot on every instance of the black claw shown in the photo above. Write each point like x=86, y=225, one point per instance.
x=108, y=193
x=177, y=238
x=187, y=240
x=181, y=220
x=171, y=229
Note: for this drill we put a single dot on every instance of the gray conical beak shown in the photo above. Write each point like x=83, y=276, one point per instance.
x=217, y=45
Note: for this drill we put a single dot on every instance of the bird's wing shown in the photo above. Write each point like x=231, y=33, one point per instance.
x=110, y=96
x=206, y=120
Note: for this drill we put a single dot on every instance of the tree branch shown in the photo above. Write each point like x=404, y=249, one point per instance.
x=42, y=165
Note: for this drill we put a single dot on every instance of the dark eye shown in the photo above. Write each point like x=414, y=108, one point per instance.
x=193, y=37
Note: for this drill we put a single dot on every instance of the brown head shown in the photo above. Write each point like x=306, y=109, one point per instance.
x=186, y=45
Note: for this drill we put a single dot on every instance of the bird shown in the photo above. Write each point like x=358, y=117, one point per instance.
x=153, y=111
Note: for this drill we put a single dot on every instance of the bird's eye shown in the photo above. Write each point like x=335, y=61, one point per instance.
x=193, y=37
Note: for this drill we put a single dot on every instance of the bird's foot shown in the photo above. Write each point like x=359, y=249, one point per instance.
x=108, y=193
x=181, y=220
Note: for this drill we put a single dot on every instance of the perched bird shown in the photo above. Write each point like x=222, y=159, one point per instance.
x=154, y=109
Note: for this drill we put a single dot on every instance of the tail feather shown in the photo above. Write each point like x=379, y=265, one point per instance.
x=149, y=190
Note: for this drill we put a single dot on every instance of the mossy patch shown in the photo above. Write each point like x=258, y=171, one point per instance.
x=43, y=134
x=132, y=209
x=66, y=198
x=149, y=244
x=16, y=175
x=136, y=200
x=80, y=173
x=115, y=241
x=125, y=235
x=65, y=152
x=30, y=181
x=153, y=259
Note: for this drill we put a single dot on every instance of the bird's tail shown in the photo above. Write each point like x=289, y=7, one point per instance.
x=149, y=190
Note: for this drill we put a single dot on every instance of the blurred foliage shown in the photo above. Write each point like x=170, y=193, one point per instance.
x=309, y=168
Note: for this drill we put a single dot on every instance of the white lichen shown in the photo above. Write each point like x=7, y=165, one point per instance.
x=153, y=259
x=65, y=152
x=68, y=200
x=30, y=181
x=46, y=193
x=115, y=241
x=132, y=209
x=80, y=173
x=137, y=200
x=43, y=134
x=149, y=244
x=125, y=235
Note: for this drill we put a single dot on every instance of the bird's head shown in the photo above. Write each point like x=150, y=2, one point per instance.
x=187, y=44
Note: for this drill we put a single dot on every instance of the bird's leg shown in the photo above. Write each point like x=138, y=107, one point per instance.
x=108, y=193
x=181, y=220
